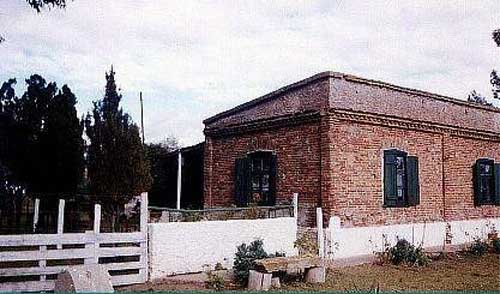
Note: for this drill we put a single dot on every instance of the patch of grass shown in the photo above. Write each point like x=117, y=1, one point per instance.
x=454, y=273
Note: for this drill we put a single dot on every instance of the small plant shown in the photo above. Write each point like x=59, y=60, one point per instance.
x=218, y=266
x=246, y=255
x=496, y=245
x=403, y=253
x=478, y=247
x=306, y=245
x=214, y=281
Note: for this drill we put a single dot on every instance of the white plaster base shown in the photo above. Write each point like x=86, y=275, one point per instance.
x=362, y=241
x=187, y=247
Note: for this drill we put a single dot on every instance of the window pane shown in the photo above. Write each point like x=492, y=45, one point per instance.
x=400, y=177
x=265, y=182
x=486, y=169
x=255, y=183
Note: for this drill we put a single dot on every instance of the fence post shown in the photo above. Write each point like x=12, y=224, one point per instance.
x=97, y=231
x=36, y=214
x=60, y=220
x=321, y=238
x=296, y=205
x=144, y=230
x=60, y=217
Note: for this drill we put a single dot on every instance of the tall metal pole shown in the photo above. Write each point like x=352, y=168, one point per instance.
x=142, y=117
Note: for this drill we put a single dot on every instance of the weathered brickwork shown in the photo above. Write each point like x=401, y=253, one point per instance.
x=357, y=192
x=459, y=156
x=297, y=150
x=329, y=133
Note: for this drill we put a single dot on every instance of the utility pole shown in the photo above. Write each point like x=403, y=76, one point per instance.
x=142, y=117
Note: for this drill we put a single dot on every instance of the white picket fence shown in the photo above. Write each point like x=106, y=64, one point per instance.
x=31, y=262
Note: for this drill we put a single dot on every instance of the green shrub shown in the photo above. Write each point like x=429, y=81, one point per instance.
x=214, y=281
x=404, y=253
x=478, y=247
x=496, y=245
x=245, y=259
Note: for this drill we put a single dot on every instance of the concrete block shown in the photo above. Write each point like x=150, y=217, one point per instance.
x=259, y=281
x=275, y=282
x=316, y=275
x=85, y=278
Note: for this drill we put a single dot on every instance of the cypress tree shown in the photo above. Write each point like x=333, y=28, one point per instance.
x=61, y=144
x=116, y=161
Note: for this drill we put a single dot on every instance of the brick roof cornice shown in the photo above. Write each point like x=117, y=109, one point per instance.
x=350, y=78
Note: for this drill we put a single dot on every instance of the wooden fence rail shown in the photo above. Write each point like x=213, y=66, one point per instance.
x=32, y=262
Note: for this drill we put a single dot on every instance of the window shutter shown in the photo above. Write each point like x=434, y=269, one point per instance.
x=496, y=198
x=242, y=181
x=476, y=179
x=273, y=179
x=390, y=189
x=413, y=182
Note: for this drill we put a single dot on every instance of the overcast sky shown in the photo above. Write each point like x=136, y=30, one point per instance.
x=193, y=59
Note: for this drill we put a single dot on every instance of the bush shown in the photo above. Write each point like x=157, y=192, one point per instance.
x=245, y=259
x=214, y=281
x=478, y=247
x=496, y=245
x=404, y=253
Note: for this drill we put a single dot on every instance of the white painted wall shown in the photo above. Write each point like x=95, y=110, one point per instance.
x=185, y=247
x=360, y=241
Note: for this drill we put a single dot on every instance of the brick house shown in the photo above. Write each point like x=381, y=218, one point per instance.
x=368, y=152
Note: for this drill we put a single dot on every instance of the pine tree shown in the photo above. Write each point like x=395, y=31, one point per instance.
x=117, y=165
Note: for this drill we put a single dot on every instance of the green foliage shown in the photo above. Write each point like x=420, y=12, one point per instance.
x=44, y=146
x=158, y=159
x=478, y=247
x=306, y=244
x=214, y=281
x=62, y=145
x=245, y=259
x=496, y=245
x=495, y=84
x=117, y=163
x=496, y=37
x=38, y=5
x=478, y=98
x=404, y=253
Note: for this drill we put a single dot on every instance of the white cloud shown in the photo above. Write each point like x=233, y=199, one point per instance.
x=193, y=59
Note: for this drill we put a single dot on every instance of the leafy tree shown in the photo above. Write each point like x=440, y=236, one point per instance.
x=496, y=37
x=477, y=98
x=117, y=163
x=38, y=5
x=31, y=115
x=494, y=80
x=157, y=155
x=7, y=94
x=62, y=145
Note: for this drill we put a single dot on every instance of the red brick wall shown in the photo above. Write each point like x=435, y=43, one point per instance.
x=460, y=156
x=357, y=193
x=297, y=149
x=311, y=97
x=336, y=163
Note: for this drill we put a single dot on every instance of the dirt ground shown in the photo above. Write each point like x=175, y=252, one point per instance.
x=457, y=272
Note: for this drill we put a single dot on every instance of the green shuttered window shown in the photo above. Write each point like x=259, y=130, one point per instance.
x=486, y=179
x=401, y=179
x=255, y=179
